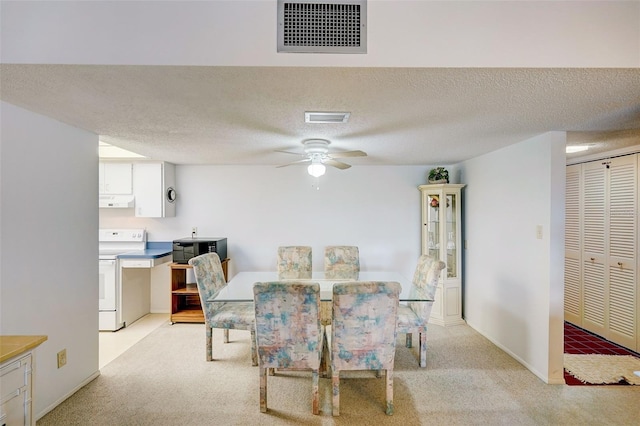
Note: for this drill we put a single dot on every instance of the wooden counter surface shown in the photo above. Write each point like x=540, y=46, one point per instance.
x=11, y=346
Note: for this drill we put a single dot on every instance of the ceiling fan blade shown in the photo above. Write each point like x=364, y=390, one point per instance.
x=346, y=154
x=305, y=160
x=337, y=164
x=289, y=152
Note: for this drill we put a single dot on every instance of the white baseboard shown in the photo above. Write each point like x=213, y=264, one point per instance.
x=543, y=377
x=88, y=380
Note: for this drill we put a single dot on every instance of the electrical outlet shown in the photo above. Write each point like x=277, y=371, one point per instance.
x=194, y=231
x=62, y=358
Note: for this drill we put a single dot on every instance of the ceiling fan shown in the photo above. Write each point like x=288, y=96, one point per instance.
x=316, y=152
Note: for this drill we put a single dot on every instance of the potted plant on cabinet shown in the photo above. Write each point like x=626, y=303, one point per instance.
x=438, y=175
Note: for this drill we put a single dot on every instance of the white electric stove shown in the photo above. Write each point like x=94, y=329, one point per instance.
x=111, y=243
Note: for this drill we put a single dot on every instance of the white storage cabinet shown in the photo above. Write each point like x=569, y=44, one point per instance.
x=154, y=189
x=16, y=388
x=442, y=239
x=115, y=178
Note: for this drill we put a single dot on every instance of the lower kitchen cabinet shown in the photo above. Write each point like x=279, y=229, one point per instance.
x=185, y=299
x=16, y=378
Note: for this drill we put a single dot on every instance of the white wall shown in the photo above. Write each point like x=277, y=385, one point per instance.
x=49, y=246
x=259, y=208
x=49, y=171
x=400, y=33
x=513, y=281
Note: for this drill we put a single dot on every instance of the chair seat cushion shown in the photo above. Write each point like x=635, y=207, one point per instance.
x=233, y=315
x=408, y=320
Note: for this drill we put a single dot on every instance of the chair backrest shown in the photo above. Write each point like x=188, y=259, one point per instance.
x=426, y=277
x=209, y=278
x=294, y=262
x=288, y=330
x=341, y=262
x=363, y=327
x=427, y=271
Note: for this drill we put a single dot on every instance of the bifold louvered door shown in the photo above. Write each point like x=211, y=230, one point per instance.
x=594, y=283
x=623, y=251
x=573, y=237
x=601, y=280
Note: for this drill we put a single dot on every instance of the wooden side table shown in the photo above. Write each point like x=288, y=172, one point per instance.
x=185, y=299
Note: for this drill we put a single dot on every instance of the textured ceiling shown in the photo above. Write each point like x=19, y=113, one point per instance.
x=399, y=116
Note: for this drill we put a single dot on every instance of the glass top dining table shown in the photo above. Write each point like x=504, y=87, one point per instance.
x=240, y=287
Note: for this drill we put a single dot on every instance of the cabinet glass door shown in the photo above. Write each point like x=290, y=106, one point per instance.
x=451, y=231
x=433, y=225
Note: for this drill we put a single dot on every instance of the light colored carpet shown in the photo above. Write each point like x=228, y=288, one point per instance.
x=603, y=369
x=165, y=380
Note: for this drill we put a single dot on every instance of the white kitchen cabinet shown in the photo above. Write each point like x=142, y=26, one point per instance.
x=154, y=189
x=602, y=289
x=442, y=239
x=144, y=263
x=16, y=379
x=115, y=178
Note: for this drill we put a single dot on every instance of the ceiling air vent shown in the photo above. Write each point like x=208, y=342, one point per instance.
x=308, y=26
x=326, y=117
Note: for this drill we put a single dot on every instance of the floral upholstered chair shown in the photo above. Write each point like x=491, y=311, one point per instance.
x=414, y=316
x=363, y=332
x=342, y=262
x=294, y=262
x=288, y=331
x=240, y=316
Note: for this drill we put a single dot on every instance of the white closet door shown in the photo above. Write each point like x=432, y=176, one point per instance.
x=595, y=285
x=622, y=251
x=606, y=236
x=572, y=269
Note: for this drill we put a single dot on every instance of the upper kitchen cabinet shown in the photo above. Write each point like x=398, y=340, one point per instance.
x=115, y=178
x=154, y=189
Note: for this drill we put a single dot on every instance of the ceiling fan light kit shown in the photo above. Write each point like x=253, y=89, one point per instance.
x=316, y=152
x=316, y=168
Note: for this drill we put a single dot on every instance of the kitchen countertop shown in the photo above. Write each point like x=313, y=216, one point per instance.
x=154, y=250
x=11, y=346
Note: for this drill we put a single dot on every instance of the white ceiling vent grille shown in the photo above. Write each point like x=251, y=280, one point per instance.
x=326, y=117
x=308, y=26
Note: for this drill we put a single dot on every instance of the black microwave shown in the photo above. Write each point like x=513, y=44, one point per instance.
x=186, y=248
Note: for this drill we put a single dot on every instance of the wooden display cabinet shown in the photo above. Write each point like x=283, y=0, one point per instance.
x=185, y=299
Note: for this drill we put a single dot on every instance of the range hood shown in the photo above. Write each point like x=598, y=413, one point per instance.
x=116, y=201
